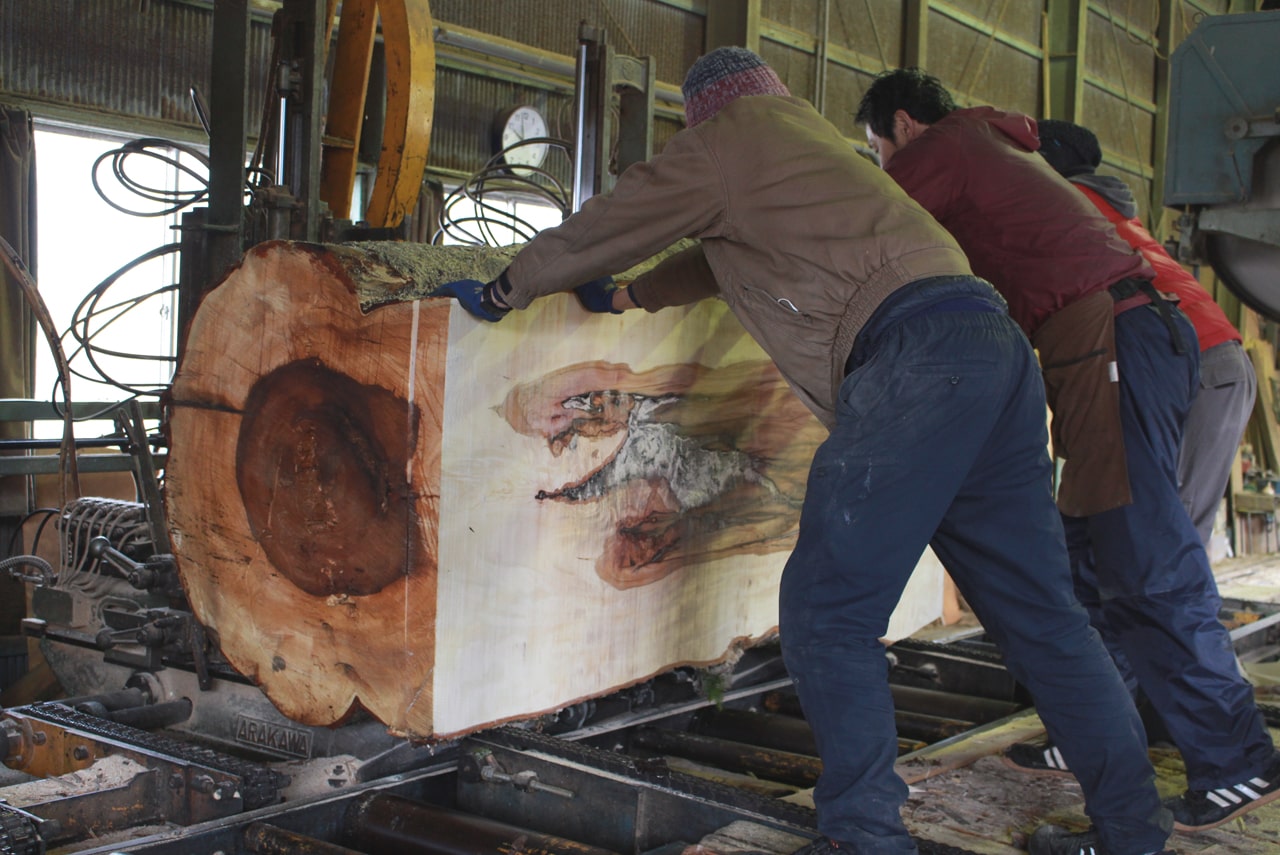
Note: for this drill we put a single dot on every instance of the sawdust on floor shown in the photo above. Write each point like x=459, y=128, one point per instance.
x=991, y=808
x=963, y=794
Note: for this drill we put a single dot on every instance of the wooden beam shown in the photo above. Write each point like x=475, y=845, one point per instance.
x=349, y=85
x=733, y=23
x=1165, y=37
x=1068, y=28
x=915, y=32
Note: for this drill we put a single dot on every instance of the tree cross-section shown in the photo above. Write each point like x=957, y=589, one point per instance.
x=453, y=524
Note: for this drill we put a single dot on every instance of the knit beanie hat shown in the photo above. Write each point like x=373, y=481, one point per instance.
x=1069, y=148
x=723, y=75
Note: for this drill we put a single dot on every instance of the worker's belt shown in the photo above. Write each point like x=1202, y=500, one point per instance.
x=1131, y=287
x=959, y=303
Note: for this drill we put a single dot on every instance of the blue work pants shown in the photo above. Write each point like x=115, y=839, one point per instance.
x=941, y=439
x=1143, y=573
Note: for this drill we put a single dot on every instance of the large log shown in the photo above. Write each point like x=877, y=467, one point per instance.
x=454, y=524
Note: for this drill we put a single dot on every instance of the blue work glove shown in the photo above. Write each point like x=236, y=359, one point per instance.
x=474, y=296
x=597, y=296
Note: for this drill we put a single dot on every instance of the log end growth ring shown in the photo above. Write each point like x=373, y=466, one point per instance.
x=321, y=463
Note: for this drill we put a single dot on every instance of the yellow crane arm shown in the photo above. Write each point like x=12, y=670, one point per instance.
x=409, y=46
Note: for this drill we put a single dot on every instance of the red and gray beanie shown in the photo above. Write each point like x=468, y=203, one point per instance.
x=723, y=75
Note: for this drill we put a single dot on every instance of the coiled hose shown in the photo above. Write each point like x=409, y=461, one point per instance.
x=46, y=576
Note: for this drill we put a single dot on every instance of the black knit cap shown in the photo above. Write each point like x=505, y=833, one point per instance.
x=1070, y=148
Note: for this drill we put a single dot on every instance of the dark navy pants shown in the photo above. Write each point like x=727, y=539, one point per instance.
x=1142, y=571
x=941, y=439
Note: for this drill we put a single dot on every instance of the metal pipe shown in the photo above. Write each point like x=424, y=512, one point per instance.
x=265, y=839
x=284, y=174
x=152, y=716
x=87, y=442
x=383, y=823
x=820, y=55
x=579, y=130
x=928, y=728
x=771, y=764
x=111, y=701
x=970, y=708
x=555, y=64
x=769, y=730
x=500, y=48
x=788, y=733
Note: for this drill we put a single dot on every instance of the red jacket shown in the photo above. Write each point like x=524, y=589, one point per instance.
x=1211, y=323
x=1024, y=228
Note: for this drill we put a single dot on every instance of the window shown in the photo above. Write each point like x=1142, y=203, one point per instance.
x=497, y=219
x=124, y=333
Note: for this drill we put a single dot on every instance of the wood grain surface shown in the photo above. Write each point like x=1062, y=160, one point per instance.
x=454, y=524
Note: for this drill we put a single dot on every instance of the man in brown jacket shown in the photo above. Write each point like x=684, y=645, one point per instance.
x=935, y=407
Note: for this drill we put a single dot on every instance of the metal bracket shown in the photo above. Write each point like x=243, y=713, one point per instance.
x=1242, y=221
x=1239, y=127
x=128, y=419
x=607, y=82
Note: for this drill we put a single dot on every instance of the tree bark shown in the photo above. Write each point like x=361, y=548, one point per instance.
x=454, y=524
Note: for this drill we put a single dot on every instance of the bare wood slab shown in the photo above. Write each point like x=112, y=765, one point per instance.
x=454, y=524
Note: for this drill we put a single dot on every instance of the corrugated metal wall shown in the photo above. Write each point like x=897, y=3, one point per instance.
x=116, y=64
x=672, y=33
x=129, y=63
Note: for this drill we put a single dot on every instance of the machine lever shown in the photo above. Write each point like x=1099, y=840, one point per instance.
x=147, y=575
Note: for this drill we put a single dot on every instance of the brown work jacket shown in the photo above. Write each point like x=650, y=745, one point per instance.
x=802, y=236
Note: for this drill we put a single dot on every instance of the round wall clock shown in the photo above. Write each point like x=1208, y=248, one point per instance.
x=517, y=124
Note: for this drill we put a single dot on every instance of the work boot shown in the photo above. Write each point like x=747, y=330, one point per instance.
x=1053, y=840
x=1196, y=810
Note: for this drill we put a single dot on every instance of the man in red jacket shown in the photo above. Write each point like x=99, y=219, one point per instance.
x=1121, y=369
x=1228, y=385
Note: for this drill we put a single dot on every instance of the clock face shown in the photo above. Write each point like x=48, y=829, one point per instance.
x=523, y=123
